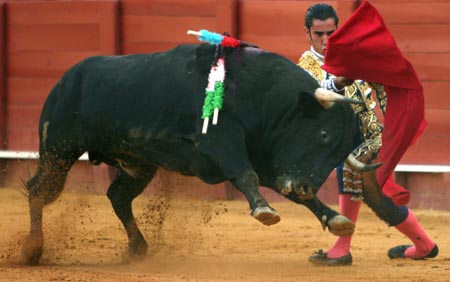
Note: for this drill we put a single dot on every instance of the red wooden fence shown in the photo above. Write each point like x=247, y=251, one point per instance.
x=2, y=77
x=158, y=25
x=278, y=26
x=43, y=40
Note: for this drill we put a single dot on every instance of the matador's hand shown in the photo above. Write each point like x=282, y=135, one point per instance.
x=342, y=81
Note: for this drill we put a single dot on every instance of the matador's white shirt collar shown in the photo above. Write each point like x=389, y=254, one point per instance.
x=319, y=56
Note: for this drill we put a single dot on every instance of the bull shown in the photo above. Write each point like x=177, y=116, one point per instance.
x=139, y=112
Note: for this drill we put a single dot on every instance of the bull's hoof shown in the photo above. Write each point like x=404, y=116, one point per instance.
x=137, y=251
x=129, y=258
x=30, y=256
x=266, y=215
x=341, y=226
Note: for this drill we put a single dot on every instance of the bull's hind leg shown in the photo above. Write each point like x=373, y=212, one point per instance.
x=121, y=193
x=43, y=189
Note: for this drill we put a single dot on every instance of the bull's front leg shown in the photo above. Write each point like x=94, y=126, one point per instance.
x=336, y=223
x=248, y=184
x=235, y=165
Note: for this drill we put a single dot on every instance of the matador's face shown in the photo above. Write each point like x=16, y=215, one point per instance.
x=319, y=33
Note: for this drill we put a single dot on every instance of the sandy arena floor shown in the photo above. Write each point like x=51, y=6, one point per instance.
x=193, y=240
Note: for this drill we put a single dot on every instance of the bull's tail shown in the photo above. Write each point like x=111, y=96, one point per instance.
x=24, y=190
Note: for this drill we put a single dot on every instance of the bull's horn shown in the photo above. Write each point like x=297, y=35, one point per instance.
x=352, y=162
x=327, y=98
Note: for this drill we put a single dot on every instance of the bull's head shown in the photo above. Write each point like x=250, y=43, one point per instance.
x=304, y=181
x=327, y=99
x=306, y=190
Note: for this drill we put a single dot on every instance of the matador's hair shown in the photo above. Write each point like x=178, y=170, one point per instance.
x=320, y=11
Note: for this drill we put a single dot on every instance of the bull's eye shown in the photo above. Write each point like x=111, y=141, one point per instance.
x=324, y=134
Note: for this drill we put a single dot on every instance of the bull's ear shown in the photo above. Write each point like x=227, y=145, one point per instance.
x=327, y=98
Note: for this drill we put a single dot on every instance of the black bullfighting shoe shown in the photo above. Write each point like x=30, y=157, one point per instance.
x=320, y=258
x=399, y=252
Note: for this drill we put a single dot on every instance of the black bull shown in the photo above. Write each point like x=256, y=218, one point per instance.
x=141, y=112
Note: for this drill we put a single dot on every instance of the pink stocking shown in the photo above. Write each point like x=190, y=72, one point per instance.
x=414, y=231
x=350, y=209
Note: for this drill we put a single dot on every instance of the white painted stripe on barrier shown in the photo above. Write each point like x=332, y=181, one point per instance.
x=400, y=168
x=422, y=168
x=29, y=155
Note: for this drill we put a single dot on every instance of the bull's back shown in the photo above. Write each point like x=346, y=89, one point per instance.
x=152, y=91
x=142, y=89
x=144, y=108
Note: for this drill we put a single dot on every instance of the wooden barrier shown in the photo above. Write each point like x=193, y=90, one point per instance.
x=16, y=167
x=428, y=183
x=46, y=39
x=2, y=77
x=278, y=26
x=158, y=25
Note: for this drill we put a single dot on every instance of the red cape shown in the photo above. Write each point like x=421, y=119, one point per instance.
x=363, y=48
